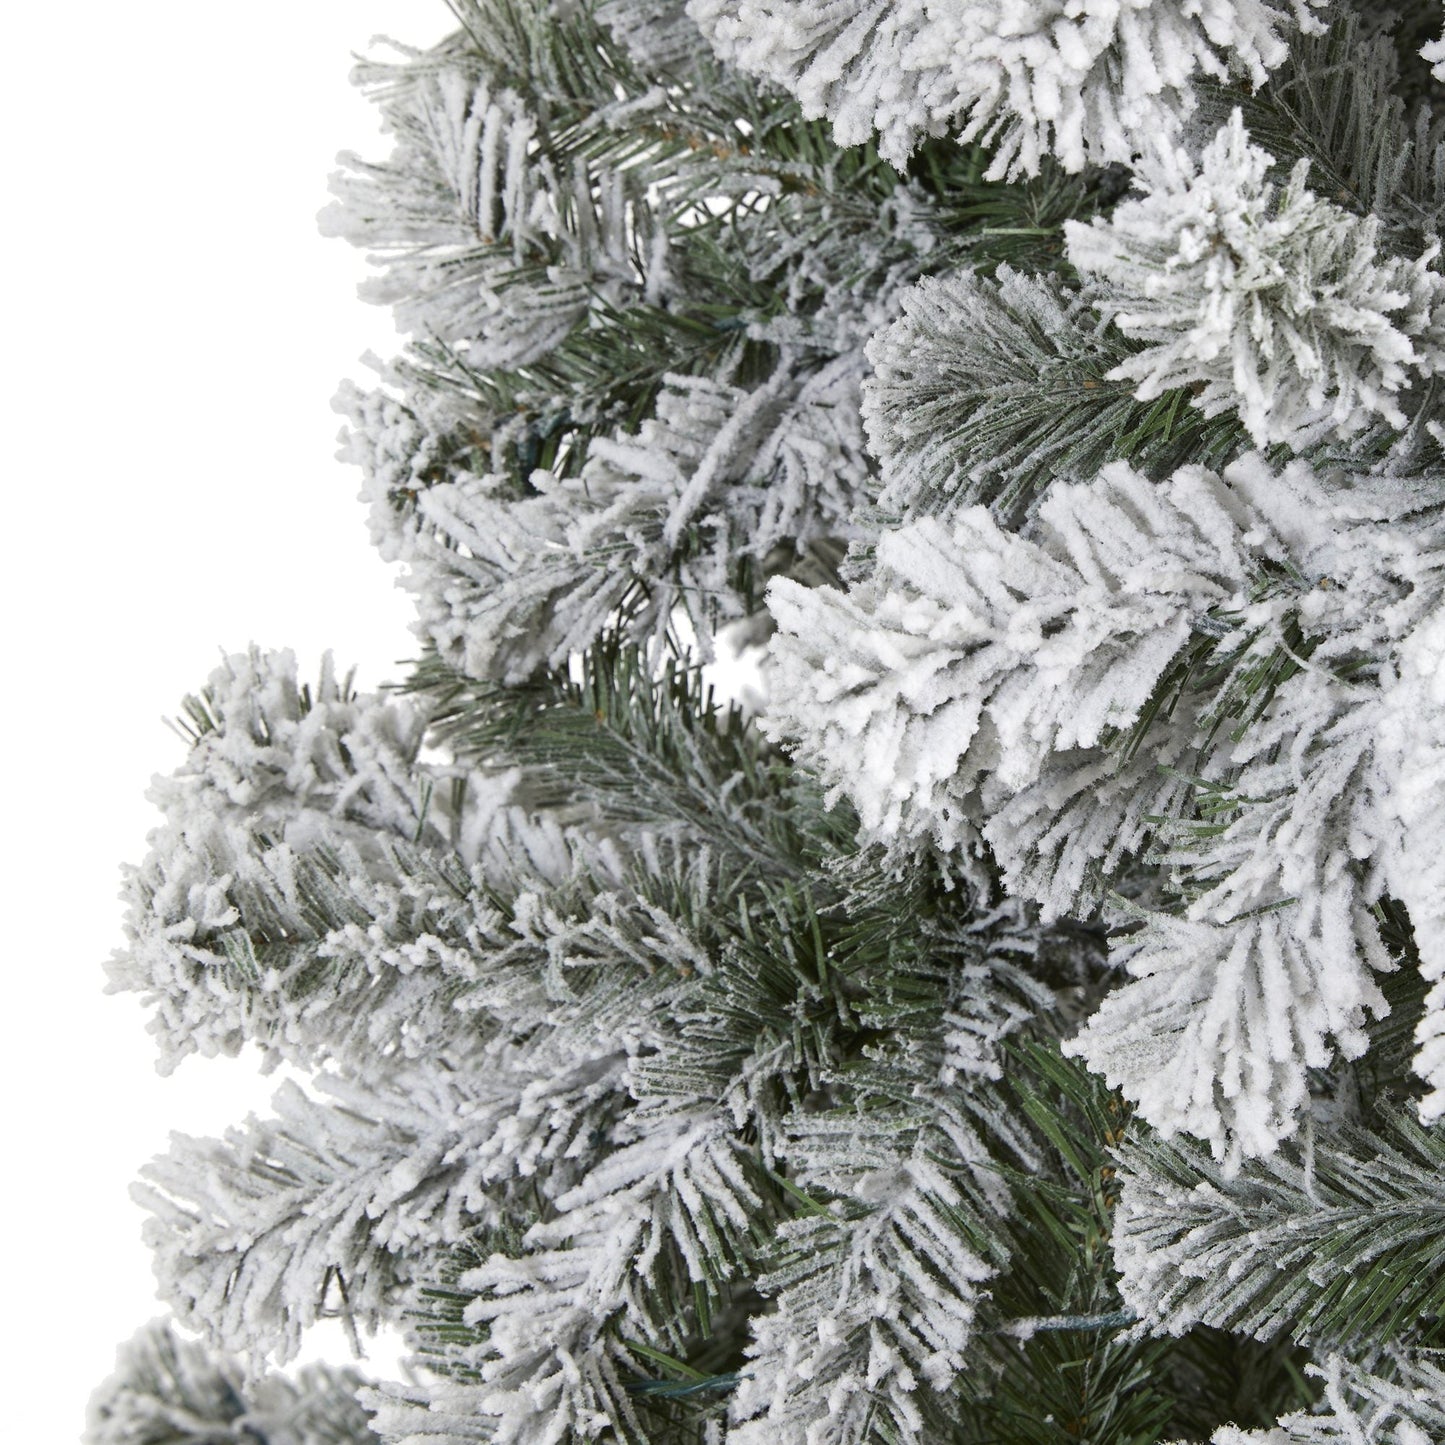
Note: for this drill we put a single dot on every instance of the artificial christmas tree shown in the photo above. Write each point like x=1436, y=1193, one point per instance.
x=1029, y=1024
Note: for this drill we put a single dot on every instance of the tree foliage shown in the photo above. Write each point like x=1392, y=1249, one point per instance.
x=1024, y=1019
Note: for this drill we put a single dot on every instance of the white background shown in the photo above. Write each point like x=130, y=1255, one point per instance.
x=176, y=330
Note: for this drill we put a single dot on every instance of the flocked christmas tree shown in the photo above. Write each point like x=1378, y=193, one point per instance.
x=1027, y=1023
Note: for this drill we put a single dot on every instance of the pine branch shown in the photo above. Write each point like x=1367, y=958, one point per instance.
x=986, y=390
x=1061, y=1358
x=1081, y=93
x=1339, y=1238
x=1406, y=1404
x=640, y=748
x=1334, y=102
x=1207, y=270
x=169, y=1391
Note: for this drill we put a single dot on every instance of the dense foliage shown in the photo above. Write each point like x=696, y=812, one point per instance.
x=1023, y=1022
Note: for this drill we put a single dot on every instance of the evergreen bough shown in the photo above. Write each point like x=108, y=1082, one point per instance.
x=1026, y=1023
